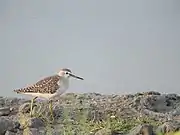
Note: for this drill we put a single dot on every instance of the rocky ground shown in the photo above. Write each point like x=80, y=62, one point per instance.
x=145, y=113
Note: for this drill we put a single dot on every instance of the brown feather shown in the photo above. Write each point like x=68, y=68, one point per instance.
x=46, y=85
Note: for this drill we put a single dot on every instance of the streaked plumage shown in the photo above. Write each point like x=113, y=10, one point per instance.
x=50, y=86
x=46, y=85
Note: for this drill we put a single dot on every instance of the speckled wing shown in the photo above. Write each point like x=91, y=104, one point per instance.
x=46, y=85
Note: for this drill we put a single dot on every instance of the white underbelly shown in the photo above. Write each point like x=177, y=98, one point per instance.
x=41, y=95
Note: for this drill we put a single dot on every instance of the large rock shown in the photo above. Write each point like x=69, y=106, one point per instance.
x=4, y=111
x=168, y=127
x=35, y=123
x=161, y=104
x=7, y=125
x=10, y=133
x=143, y=129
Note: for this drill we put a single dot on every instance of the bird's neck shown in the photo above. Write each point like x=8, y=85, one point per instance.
x=65, y=82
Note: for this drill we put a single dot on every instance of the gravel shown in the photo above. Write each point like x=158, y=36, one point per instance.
x=159, y=107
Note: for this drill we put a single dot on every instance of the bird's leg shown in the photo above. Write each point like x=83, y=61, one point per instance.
x=51, y=109
x=31, y=107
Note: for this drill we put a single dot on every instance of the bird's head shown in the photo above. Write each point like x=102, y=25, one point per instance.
x=66, y=73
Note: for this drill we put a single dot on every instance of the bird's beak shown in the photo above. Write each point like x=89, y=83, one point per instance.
x=76, y=77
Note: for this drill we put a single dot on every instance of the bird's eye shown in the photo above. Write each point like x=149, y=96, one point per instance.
x=67, y=73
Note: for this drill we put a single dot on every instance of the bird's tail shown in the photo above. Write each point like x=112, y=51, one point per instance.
x=24, y=90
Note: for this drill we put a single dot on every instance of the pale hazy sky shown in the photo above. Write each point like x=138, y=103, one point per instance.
x=118, y=46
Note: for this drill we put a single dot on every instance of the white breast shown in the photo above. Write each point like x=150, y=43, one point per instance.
x=64, y=85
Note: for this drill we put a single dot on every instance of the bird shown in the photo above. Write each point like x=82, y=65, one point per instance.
x=49, y=87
